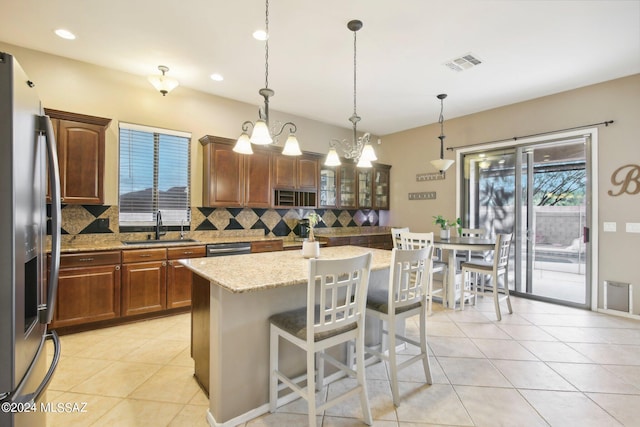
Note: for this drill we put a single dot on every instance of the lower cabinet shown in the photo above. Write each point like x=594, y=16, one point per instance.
x=88, y=288
x=144, y=281
x=179, y=277
x=378, y=241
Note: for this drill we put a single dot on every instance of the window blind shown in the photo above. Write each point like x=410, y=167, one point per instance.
x=155, y=171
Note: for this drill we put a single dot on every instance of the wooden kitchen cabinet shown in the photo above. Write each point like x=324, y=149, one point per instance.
x=381, y=181
x=179, y=277
x=231, y=179
x=328, y=187
x=365, y=188
x=295, y=172
x=81, y=152
x=348, y=186
x=88, y=288
x=267, y=246
x=144, y=281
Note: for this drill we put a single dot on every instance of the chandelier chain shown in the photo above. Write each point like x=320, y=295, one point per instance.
x=354, y=71
x=266, y=47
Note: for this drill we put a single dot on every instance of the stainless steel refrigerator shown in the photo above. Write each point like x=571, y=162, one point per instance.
x=27, y=158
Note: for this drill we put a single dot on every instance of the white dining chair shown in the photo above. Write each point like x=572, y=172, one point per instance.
x=411, y=240
x=335, y=314
x=496, y=269
x=395, y=236
x=406, y=296
x=466, y=256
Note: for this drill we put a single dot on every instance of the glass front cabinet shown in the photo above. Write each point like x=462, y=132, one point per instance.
x=381, y=187
x=347, y=187
x=328, y=187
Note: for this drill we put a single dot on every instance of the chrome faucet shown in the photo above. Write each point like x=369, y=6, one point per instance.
x=159, y=231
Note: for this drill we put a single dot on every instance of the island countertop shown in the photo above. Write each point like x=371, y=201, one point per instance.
x=259, y=271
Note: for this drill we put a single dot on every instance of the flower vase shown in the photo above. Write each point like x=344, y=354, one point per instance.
x=310, y=249
x=445, y=234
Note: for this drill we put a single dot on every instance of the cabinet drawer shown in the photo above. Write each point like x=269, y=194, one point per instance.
x=143, y=255
x=359, y=240
x=186, y=252
x=268, y=246
x=89, y=259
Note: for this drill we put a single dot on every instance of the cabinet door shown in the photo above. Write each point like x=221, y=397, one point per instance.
x=81, y=158
x=144, y=287
x=348, y=186
x=284, y=172
x=365, y=185
x=87, y=294
x=307, y=174
x=222, y=176
x=180, y=278
x=381, y=188
x=328, y=187
x=257, y=180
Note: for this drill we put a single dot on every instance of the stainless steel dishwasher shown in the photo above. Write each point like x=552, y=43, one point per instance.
x=225, y=249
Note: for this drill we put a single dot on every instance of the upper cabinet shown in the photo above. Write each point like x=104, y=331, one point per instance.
x=295, y=173
x=81, y=152
x=347, y=187
x=295, y=181
x=381, y=180
x=234, y=180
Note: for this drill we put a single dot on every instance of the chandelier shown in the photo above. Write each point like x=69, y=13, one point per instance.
x=260, y=132
x=441, y=164
x=360, y=149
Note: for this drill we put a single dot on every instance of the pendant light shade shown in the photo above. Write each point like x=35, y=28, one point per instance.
x=260, y=134
x=243, y=145
x=291, y=146
x=442, y=164
x=332, y=158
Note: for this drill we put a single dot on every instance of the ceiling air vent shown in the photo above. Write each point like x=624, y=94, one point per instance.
x=463, y=63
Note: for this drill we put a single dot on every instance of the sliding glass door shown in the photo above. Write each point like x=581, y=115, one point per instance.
x=539, y=192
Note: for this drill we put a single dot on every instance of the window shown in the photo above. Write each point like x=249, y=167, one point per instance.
x=154, y=175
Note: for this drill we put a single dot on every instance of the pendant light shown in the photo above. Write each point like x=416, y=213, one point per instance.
x=360, y=149
x=261, y=134
x=441, y=164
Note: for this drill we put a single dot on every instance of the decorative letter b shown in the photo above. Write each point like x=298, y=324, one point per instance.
x=629, y=183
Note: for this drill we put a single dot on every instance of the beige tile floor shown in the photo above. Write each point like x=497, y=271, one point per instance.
x=543, y=365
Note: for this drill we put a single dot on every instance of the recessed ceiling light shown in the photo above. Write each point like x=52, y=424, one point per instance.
x=260, y=35
x=216, y=77
x=65, y=34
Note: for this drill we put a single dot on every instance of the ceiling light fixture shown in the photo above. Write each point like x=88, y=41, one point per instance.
x=441, y=164
x=65, y=34
x=216, y=77
x=360, y=150
x=163, y=83
x=261, y=134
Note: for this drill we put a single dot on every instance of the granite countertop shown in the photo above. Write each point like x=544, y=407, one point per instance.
x=276, y=269
x=107, y=242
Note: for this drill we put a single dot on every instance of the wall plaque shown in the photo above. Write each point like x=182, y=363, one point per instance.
x=627, y=179
x=425, y=195
x=430, y=176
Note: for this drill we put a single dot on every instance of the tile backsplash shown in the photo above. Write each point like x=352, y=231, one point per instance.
x=92, y=219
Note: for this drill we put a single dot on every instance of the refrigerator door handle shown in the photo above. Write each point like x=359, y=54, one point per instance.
x=16, y=396
x=46, y=315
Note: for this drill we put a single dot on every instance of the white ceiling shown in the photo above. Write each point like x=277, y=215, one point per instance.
x=528, y=49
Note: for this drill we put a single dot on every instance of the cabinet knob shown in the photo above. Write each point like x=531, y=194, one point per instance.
x=117, y=267
x=164, y=263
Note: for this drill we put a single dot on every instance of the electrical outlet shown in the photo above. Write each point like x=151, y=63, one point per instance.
x=609, y=226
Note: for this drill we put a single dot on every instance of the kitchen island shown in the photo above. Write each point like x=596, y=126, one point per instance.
x=245, y=290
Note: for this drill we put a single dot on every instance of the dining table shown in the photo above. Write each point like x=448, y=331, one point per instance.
x=450, y=246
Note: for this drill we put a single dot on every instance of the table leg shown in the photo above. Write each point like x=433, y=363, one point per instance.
x=451, y=282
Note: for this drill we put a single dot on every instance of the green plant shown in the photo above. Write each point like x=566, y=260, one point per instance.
x=314, y=219
x=445, y=223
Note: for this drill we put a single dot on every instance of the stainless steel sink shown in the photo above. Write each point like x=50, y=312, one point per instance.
x=158, y=242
